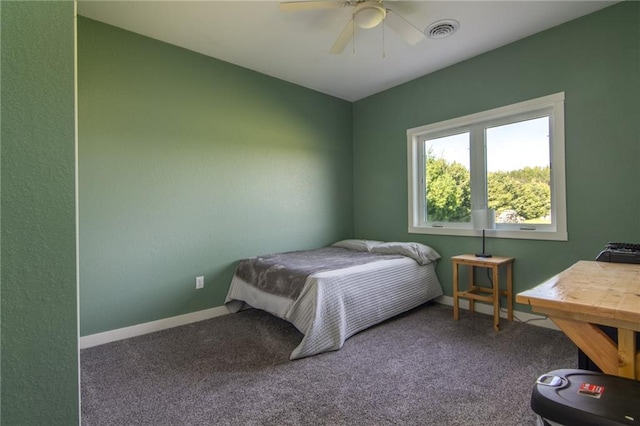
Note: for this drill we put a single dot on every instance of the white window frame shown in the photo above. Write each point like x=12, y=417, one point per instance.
x=551, y=106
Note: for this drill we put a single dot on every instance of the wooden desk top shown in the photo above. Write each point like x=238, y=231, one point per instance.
x=600, y=292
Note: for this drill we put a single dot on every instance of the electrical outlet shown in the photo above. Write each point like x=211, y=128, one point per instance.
x=199, y=282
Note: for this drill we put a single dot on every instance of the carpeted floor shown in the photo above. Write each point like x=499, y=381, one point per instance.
x=421, y=368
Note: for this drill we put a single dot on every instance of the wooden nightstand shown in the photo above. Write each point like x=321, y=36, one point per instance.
x=484, y=294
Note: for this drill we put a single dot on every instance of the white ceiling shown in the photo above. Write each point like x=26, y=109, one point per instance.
x=294, y=46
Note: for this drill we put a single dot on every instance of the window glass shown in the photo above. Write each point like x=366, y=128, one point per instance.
x=519, y=171
x=448, y=190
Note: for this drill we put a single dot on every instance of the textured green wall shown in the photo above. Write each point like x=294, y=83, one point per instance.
x=595, y=60
x=38, y=252
x=187, y=164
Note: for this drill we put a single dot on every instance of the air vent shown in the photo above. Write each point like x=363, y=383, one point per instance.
x=442, y=29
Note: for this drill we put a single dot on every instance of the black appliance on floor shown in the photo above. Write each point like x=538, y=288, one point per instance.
x=572, y=397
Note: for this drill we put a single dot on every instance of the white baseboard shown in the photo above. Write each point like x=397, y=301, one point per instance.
x=163, y=324
x=150, y=327
x=486, y=309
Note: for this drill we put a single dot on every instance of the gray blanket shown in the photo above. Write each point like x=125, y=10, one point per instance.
x=284, y=274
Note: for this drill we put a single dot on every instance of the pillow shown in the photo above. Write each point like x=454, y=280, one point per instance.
x=358, y=245
x=418, y=252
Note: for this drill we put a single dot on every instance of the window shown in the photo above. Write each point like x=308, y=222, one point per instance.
x=509, y=159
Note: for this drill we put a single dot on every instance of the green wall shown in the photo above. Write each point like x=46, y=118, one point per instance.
x=38, y=228
x=598, y=69
x=187, y=164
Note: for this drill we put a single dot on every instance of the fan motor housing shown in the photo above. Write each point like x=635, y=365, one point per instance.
x=368, y=14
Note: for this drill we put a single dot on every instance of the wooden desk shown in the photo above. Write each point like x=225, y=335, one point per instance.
x=475, y=292
x=590, y=293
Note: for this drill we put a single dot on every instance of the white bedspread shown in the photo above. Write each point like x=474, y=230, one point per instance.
x=334, y=305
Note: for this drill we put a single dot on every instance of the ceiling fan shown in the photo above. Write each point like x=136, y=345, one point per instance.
x=365, y=14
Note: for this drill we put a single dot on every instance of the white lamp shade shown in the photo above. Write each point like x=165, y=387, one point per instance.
x=483, y=218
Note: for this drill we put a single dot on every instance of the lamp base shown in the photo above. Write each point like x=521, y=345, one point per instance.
x=483, y=255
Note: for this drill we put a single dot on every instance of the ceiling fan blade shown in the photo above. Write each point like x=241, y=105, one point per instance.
x=403, y=28
x=293, y=6
x=343, y=39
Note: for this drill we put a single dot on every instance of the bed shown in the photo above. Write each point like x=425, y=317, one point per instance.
x=331, y=293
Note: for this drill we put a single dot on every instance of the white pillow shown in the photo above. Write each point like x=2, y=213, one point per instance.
x=358, y=245
x=419, y=252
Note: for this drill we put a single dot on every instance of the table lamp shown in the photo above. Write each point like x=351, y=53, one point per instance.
x=483, y=219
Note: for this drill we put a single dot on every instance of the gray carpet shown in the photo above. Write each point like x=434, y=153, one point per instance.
x=421, y=368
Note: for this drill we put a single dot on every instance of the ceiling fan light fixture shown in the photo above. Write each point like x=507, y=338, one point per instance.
x=368, y=16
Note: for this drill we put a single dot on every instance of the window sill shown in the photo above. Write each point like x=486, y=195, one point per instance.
x=493, y=233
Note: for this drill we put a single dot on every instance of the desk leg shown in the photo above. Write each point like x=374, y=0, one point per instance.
x=455, y=291
x=593, y=342
x=627, y=354
x=496, y=299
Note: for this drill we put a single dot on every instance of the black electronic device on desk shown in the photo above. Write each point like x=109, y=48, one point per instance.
x=620, y=253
